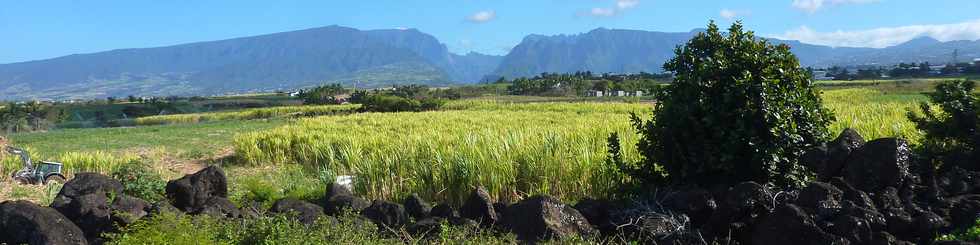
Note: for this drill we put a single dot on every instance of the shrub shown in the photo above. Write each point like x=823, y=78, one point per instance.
x=139, y=180
x=170, y=228
x=739, y=109
x=323, y=95
x=389, y=103
x=952, y=135
x=969, y=234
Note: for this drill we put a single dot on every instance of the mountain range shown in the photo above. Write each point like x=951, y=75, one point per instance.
x=377, y=58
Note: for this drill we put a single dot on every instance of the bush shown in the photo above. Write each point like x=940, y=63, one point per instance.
x=170, y=228
x=389, y=103
x=952, y=135
x=323, y=95
x=970, y=234
x=739, y=109
x=139, y=180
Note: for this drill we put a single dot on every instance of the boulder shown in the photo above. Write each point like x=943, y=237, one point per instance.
x=127, y=210
x=340, y=199
x=838, y=152
x=852, y=228
x=543, y=217
x=416, y=207
x=737, y=212
x=598, y=213
x=958, y=181
x=84, y=184
x=965, y=211
x=855, y=196
x=927, y=226
x=218, y=207
x=191, y=192
x=899, y=223
x=386, y=214
x=887, y=199
x=789, y=224
x=878, y=164
x=698, y=204
x=23, y=222
x=479, y=207
x=645, y=226
x=823, y=198
x=875, y=220
x=96, y=204
x=90, y=212
x=305, y=212
x=444, y=211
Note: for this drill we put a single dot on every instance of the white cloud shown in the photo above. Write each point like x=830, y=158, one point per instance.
x=602, y=12
x=620, y=7
x=728, y=14
x=812, y=6
x=885, y=37
x=626, y=4
x=482, y=16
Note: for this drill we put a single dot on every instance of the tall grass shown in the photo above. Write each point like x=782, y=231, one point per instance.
x=74, y=162
x=249, y=114
x=874, y=114
x=443, y=155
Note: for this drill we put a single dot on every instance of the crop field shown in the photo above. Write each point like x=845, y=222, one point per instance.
x=515, y=149
x=442, y=155
x=249, y=114
x=874, y=114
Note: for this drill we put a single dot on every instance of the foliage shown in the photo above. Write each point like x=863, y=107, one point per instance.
x=170, y=228
x=28, y=117
x=873, y=114
x=323, y=95
x=271, y=184
x=971, y=234
x=389, y=103
x=577, y=84
x=739, y=109
x=180, y=229
x=442, y=155
x=951, y=135
x=140, y=180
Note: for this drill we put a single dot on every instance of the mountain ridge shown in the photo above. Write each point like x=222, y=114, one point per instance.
x=375, y=58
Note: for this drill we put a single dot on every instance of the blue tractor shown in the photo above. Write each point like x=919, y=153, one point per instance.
x=44, y=173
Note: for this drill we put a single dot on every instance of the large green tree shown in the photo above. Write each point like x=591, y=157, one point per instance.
x=739, y=109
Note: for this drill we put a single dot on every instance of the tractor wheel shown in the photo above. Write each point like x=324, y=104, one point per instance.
x=54, y=178
x=22, y=177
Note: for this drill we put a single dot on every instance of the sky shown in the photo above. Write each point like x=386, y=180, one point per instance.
x=33, y=30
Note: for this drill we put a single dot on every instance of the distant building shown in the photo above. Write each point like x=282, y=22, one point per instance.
x=638, y=93
x=977, y=60
x=821, y=76
x=594, y=93
x=293, y=94
x=620, y=93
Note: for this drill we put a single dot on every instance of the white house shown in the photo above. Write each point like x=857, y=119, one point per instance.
x=620, y=93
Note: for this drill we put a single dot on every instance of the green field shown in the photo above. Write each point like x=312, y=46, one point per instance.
x=514, y=147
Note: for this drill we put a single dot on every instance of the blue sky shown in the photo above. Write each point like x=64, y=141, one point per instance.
x=31, y=30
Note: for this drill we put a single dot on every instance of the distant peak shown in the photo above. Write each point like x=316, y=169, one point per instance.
x=698, y=30
x=919, y=41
